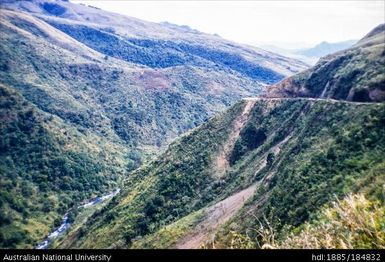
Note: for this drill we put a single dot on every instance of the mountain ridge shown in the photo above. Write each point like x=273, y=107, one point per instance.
x=354, y=74
x=324, y=48
x=143, y=29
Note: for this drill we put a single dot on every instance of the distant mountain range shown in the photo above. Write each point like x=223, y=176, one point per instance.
x=312, y=54
x=325, y=48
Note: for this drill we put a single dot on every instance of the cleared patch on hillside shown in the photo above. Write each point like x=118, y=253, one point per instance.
x=222, y=160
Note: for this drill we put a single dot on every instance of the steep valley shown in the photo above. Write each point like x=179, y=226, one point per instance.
x=162, y=207
x=262, y=174
x=212, y=144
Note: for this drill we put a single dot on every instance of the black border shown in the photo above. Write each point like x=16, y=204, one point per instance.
x=178, y=255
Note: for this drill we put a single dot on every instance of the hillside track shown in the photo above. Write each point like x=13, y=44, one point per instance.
x=215, y=216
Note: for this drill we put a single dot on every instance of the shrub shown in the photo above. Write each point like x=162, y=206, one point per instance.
x=354, y=222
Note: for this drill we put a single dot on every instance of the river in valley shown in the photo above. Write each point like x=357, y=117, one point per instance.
x=65, y=224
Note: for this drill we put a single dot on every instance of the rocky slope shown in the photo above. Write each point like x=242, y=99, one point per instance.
x=355, y=74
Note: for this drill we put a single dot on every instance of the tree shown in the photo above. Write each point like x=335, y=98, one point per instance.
x=270, y=159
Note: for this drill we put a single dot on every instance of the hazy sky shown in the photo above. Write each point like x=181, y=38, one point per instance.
x=261, y=21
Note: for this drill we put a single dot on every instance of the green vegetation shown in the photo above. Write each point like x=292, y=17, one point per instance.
x=302, y=176
x=331, y=154
x=301, y=153
x=250, y=139
x=77, y=122
x=124, y=102
x=354, y=222
x=351, y=223
x=46, y=167
x=309, y=179
x=160, y=193
x=169, y=235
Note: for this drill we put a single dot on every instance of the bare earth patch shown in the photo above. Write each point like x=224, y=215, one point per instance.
x=215, y=216
x=222, y=161
x=152, y=80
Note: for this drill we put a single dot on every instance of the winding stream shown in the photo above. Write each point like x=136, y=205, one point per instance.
x=65, y=224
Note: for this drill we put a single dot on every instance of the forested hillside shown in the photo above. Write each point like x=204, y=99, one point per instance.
x=293, y=156
x=262, y=174
x=46, y=167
